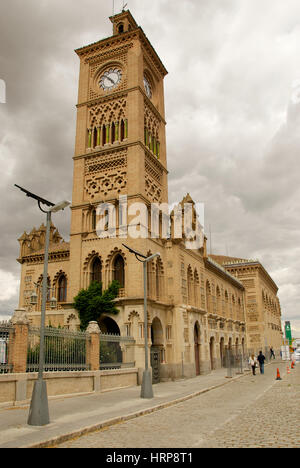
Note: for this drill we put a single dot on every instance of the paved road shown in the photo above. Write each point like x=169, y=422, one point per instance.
x=250, y=412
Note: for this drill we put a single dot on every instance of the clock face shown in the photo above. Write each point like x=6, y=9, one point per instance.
x=110, y=79
x=147, y=88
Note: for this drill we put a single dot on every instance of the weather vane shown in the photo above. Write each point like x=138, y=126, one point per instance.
x=123, y=7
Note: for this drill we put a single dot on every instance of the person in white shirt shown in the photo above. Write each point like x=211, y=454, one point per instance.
x=253, y=363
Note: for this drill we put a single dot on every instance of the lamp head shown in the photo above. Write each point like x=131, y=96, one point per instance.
x=60, y=206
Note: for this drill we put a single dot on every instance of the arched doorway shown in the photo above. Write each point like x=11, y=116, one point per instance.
x=222, y=353
x=212, y=352
x=157, y=349
x=197, y=347
x=111, y=356
x=109, y=326
x=237, y=347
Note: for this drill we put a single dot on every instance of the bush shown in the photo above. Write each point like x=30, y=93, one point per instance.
x=91, y=303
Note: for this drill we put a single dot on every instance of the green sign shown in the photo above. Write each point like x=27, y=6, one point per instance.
x=288, y=331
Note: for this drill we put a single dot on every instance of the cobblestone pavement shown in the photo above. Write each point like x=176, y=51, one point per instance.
x=250, y=412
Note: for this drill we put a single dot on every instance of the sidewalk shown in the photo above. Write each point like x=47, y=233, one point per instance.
x=74, y=416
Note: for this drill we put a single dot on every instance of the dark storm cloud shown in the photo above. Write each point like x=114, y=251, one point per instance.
x=232, y=133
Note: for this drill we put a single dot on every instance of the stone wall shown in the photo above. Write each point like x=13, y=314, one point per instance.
x=16, y=389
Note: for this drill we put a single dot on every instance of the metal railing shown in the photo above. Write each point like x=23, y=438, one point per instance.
x=65, y=350
x=6, y=343
x=235, y=360
x=116, y=352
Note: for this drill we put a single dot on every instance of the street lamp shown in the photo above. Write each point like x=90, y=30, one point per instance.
x=39, y=412
x=34, y=297
x=146, y=390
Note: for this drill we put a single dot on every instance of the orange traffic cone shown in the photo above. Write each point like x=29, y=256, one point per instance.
x=292, y=365
x=288, y=369
x=278, y=375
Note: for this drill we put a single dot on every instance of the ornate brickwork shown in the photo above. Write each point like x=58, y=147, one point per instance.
x=152, y=189
x=153, y=169
x=110, y=111
x=100, y=62
x=105, y=174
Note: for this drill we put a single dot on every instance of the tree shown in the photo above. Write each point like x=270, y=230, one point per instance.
x=91, y=303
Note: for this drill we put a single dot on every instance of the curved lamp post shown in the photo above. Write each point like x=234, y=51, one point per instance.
x=39, y=412
x=147, y=390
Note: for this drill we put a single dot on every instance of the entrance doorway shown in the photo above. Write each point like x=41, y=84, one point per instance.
x=197, y=347
x=222, y=353
x=212, y=352
x=109, y=326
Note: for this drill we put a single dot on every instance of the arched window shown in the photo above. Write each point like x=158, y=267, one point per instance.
x=121, y=28
x=196, y=288
x=122, y=136
x=95, y=137
x=104, y=135
x=96, y=270
x=62, y=289
x=208, y=298
x=94, y=219
x=113, y=132
x=190, y=285
x=218, y=298
x=119, y=270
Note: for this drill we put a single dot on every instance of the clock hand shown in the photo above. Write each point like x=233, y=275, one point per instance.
x=110, y=79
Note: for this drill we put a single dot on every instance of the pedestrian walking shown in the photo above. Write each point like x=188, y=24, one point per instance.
x=253, y=363
x=261, y=359
x=272, y=354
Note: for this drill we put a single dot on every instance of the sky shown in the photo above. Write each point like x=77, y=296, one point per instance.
x=232, y=99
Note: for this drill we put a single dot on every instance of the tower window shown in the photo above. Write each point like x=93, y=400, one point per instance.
x=95, y=138
x=121, y=28
x=122, y=130
x=113, y=132
x=103, y=134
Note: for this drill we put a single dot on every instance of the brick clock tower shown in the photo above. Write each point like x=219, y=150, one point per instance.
x=120, y=137
x=196, y=307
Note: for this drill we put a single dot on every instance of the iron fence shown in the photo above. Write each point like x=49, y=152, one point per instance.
x=235, y=360
x=6, y=343
x=116, y=352
x=65, y=350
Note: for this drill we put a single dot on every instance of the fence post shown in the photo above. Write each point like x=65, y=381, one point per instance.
x=93, y=346
x=20, y=344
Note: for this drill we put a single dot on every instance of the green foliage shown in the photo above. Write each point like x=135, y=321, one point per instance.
x=91, y=303
x=110, y=352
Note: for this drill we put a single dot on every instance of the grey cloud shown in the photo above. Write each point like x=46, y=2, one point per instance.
x=230, y=66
